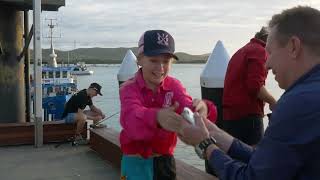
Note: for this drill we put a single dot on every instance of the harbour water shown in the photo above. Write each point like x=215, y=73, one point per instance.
x=188, y=74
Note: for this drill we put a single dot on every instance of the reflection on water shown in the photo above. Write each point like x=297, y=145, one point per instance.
x=188, y=74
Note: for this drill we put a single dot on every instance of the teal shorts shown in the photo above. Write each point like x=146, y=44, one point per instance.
x=136, y=168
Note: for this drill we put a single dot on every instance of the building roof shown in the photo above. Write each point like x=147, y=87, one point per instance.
x=46, y=5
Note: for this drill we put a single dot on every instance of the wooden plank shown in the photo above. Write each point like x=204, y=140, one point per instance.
x=105, y=141
x=23, y=133
x=108, y=150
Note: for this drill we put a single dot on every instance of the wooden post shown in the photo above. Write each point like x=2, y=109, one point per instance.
x=12, y=107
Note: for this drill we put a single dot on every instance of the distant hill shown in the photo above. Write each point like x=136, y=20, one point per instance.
x=109, y=56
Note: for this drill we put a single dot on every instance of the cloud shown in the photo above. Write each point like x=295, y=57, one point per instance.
x=195, y=25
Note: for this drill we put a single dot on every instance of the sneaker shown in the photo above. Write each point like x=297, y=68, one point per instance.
x=79, y=140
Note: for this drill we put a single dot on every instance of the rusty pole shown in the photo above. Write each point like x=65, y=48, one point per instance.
x=27, y=65
x=12, y=89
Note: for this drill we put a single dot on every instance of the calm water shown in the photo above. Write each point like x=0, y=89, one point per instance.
x=188, y=74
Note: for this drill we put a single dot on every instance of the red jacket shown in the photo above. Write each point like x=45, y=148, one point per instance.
x=245, y=75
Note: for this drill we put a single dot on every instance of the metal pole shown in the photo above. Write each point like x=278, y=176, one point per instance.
x=27, y=65
x=38, y=73
x=68, y=58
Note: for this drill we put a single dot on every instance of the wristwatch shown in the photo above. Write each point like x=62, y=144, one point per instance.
x=203, y=145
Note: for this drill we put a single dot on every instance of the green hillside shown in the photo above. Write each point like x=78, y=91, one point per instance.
x=109, y=56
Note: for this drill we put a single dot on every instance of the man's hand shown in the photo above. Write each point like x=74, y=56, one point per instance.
x=224, y=140
x=200, y=107
x=168, y=119
x=95, y=118
x=103, y=116
x=194, y=134
x=272, y=106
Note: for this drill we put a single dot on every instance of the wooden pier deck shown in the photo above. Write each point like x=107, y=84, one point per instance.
x=105, y=141
x=49, y=163
x=67, y=162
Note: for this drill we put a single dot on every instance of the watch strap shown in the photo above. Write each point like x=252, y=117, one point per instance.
x=203, y=145
x=207, y=142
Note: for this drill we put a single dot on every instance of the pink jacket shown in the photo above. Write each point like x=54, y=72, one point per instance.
x=141, y=133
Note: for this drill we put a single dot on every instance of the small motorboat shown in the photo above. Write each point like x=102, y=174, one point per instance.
x=81, y=69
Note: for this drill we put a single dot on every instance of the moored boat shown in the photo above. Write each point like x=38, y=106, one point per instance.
x=81, y=69
x=58, y=85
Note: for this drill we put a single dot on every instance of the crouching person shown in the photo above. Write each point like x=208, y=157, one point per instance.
x=74, y=110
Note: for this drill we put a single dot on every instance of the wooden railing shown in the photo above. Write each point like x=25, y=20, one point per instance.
x=23, y=133
x=105, y=141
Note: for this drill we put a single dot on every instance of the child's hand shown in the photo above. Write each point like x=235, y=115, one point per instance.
x=200, y=107
x=168, y=119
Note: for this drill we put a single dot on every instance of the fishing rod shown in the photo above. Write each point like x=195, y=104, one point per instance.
x=106, y=118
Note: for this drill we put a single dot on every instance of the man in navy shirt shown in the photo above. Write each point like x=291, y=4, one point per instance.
x=290, y=148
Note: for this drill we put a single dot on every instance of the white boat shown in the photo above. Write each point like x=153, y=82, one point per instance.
x=58, y=85
x=81, y=69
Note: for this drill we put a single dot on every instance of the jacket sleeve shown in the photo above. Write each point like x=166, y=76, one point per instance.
x=240, y=151
x=269, y=158
x=185, y=100
x=139, y=121
x=212, y=111
x=284, y=148
x=256, y=70
x=181, y=96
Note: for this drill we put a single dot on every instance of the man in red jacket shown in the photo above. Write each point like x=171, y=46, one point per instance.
x=244, y=91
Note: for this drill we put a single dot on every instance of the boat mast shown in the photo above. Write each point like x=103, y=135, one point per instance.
x=68, y=57
x=74, y=55
x=53, y=56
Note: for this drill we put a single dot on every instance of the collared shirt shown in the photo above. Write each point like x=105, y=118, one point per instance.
x=141, y=133
x=246, y=74
x=290, y=149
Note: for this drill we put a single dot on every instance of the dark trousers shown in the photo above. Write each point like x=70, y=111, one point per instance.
x=249, y=129
x=164, y=168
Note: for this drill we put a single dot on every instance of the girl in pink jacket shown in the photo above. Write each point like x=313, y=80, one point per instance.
x=150, y=103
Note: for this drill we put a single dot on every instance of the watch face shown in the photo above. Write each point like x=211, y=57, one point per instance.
x=199, y=152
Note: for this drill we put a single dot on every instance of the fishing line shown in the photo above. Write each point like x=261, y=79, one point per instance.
x=108, y=117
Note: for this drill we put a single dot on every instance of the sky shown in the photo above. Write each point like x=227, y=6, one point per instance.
x=196, y=25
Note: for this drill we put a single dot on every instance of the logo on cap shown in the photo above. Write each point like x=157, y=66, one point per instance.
x=156, y=42
x=163, y=39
